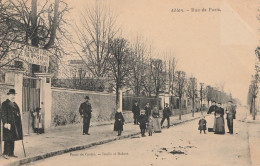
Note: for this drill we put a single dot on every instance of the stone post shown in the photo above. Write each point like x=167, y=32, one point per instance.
x=15, y=77
x=45, y=97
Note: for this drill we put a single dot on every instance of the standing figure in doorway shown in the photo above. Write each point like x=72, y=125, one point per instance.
x=38, y=121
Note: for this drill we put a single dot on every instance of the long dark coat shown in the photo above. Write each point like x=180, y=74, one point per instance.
x=85, y=109
x=202, y=124
x=166, y=112
x=136, y=111
x=148, y=111
x=119, y=121
x=11, y=114
x=142, y=121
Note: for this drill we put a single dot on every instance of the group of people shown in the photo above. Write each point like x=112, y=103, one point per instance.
x=219, y=122
x=147, y=118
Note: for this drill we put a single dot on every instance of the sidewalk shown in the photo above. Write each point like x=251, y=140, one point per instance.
x=254, y=139
x=70, y=138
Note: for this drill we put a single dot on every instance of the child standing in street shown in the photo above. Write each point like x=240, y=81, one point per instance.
x=119, y=122
x=150, y=126
x=202, y=124
x=142, y=122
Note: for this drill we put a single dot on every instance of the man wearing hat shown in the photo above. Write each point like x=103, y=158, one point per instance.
x=12, y=124
x=85, y=110
x=166, y=115
x=231, y=114
x=136, y=112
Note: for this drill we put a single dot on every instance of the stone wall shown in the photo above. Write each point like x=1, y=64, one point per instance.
x=66, y=102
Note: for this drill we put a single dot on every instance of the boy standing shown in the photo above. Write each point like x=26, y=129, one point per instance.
x=142, y=122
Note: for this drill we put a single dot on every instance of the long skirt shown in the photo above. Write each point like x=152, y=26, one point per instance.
x=156, y=125
x=219, y=125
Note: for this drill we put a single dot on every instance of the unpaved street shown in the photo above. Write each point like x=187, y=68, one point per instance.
x=179, y=145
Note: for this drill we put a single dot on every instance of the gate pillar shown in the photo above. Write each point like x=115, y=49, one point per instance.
x=15, y=77
x=45, y=97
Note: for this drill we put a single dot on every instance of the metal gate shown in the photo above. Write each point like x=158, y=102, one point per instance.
x=31, y=100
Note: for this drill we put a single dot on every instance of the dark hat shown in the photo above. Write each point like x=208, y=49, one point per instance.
x=230, y=101
x=87, y=97
x=213, y=101
x=219, y=103
x=11, y=91
x=38, y=109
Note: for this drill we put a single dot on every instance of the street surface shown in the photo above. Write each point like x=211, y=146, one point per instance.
x=180, y=145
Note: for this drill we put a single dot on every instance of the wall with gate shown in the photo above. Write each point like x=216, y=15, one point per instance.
x=66, y=102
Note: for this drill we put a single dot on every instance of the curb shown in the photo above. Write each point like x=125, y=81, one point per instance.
x=80, y=147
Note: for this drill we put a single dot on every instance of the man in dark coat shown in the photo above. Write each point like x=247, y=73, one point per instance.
x=148, y=110
x=136, y=112
x=231, y=114
x=85, y=110
x=12, y=124
x=166, y=115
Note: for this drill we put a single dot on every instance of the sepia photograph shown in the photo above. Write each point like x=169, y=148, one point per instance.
x=129, y=82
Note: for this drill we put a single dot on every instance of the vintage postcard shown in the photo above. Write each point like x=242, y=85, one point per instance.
x=129, y=83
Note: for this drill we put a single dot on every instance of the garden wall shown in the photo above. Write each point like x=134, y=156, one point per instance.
x=66, y=102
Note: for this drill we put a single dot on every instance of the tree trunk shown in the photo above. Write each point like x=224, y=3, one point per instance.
x=193, y=107
x=34, y=35
x=54, y=25
x=180, y=109
x=254, y=112
x=117, y=96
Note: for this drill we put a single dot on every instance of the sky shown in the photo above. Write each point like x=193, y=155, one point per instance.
x=215, y=47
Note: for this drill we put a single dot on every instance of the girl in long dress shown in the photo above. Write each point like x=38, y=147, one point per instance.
x=219, y=123
x=156, y=122
x=38, y=128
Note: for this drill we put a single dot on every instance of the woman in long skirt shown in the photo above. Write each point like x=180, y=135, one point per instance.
x=219, y=123
x=156, y=121
x=38, y=128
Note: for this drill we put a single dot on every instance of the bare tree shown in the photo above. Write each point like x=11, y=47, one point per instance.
x=171, y=73
x=97, y=29
x=119, y=63
x=158, y=75
x=43, y=28
x=192, y=91
x=148, y=83
x=209, y=94
x=138, y=74
x=201, y=95
x=179, y=89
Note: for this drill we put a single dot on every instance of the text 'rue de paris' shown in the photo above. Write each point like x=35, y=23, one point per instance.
x=195, y=10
